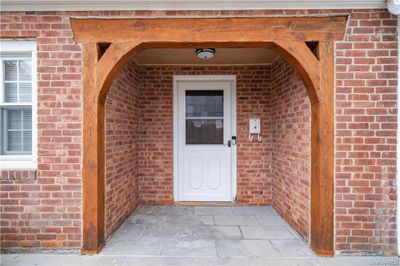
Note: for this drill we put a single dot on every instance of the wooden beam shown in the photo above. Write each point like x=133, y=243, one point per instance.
x=285, y=35
x=209, y=29
x=116, y=56
x=295, y=52
x=322, y=156
x=93, y=156
x=303, y=60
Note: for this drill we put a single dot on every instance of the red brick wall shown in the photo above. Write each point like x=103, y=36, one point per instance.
x=366, y=115
x=121, y=146
x=291, y=146
x=45, y=211
x=155, y=133
x=155, y=148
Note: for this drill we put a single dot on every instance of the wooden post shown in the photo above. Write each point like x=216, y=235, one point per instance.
x=93, y=156
x=322, y=156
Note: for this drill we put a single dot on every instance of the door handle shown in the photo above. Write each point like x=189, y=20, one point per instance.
x=229, y=143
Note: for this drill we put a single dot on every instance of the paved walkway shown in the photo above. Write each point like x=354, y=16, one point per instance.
x=176, y=231
x=181, y=235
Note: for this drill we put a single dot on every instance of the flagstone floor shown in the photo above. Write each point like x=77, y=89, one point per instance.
x=181, y=231
x=201, y=235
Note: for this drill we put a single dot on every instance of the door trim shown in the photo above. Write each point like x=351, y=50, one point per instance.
x=202, y=78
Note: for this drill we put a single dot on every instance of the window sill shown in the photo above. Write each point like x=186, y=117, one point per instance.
x=17, y=167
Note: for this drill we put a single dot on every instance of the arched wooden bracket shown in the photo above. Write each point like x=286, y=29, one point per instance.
x=110, y=43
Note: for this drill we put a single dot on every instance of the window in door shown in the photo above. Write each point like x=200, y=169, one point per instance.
x=204, y=116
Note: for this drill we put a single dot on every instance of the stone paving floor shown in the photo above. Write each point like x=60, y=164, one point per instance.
x=201, y=231
x=201, y=235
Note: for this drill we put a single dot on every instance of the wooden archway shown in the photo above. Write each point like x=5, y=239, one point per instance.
x=110, y=43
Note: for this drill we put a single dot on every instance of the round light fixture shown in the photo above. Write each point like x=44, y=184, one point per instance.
x=205, y=53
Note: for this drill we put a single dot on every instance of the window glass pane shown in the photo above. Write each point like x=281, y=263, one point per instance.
x=27, y=115
x=204, y=103
x=10, y=93
x=14, y=119
x=25, y=92
x=25, y=70
x=27, y=141
x=14, y=141
x=10, y=70
x=204, y=131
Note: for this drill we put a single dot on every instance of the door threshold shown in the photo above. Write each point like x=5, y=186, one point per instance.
x=205, y=203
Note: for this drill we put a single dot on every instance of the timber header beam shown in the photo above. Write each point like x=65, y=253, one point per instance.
x=330, y=28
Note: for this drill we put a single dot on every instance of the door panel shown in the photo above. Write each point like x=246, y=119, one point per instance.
x=204, y=128
x=194, y=172
x=215, y=177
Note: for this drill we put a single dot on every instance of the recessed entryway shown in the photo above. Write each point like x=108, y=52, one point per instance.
x=130, y=36
x=204, y=138
x=205, y=231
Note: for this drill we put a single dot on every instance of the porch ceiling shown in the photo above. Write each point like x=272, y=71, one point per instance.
x=223, y=56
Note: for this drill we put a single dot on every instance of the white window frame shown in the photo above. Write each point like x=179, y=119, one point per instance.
x=19, y=49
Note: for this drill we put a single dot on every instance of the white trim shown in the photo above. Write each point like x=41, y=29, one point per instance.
x=92, y=5
x=179, y=78
x=17, y=162
x=17, y=46
x=398, y=140
x=14, y=48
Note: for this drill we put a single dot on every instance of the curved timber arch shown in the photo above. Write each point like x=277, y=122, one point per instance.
x=286, y=35
x=296, y=53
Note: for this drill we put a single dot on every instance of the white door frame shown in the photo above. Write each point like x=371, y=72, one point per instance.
x=200, y=78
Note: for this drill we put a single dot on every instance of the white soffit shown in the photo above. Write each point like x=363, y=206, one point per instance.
x=92, y=5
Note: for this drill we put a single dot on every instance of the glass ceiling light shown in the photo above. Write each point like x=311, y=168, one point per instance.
x=205, y=53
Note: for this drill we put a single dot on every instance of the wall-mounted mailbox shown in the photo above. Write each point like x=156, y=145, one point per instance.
x=254, y=128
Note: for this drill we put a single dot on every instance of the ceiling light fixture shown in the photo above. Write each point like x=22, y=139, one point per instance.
x=205, y=53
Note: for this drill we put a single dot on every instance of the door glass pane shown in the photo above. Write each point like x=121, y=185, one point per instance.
x=204, y=131
x=204, y=117
x=204, y=103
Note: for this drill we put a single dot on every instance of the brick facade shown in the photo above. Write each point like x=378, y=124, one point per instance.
x=155, y=149
x=291, y=148
x=45, y=211
x=121, y=146
x=366, y=122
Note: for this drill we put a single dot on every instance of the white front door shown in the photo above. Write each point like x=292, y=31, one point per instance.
x=204, y=128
